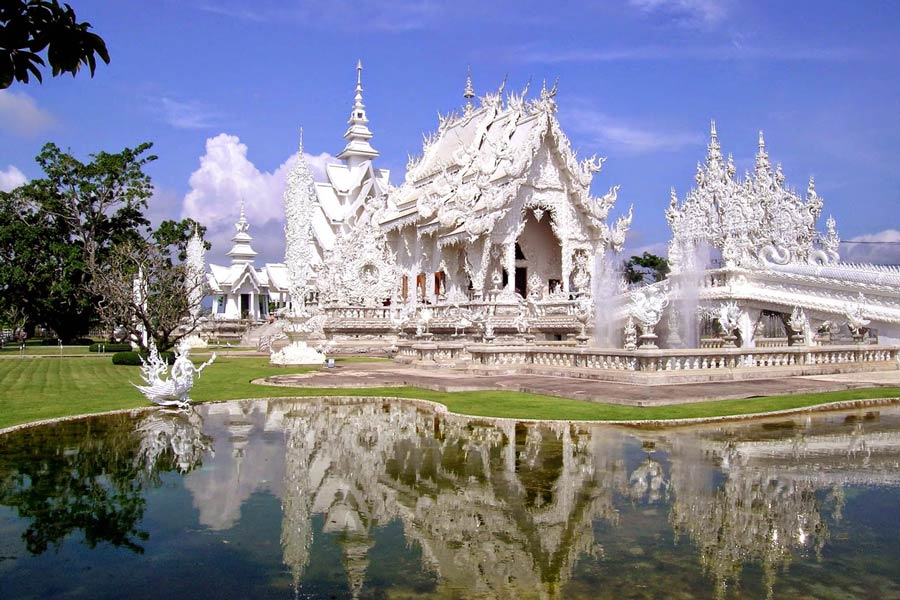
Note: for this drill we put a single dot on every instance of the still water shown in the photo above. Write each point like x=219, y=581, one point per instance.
x=323, y=499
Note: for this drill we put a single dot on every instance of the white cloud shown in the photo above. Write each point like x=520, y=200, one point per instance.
x=189, y=114
x=21, y=115
x=615, y=134
x=881, y=248
x=224, y=178
x=731, y=52
x=706, y=13
x=11, y=178
x=372, y=15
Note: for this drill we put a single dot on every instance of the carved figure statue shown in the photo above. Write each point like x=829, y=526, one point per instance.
x=630, y=334
x=729, y=315
x=798, y=324
x=163, y=388
x=856, y=320
x=647, y=307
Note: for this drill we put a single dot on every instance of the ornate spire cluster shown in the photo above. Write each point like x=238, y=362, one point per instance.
x=241, y=251
x=299, y=199
x=752, y=221
x=358, y=134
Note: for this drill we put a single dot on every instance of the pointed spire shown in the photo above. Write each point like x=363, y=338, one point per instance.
x=300, y=143
x=762, y=158
x=358, y=148
x=241, y=251
x=713, y=150
x=469, y=91
x=242, y=224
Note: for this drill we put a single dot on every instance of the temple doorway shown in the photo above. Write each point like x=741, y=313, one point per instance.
x=522, y=281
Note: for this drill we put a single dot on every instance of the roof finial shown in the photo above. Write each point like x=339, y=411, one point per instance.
x=358, y=134
x=300, y=145
x=469, y=91
x=712, y=129
x=242, y=218
x=762, y=142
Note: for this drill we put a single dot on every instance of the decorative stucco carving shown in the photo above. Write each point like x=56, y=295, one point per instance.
x=754, y=222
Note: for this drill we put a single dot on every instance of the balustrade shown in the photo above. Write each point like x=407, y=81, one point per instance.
x=651, y=361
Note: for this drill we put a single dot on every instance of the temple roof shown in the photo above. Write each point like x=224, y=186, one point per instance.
x=477, y=160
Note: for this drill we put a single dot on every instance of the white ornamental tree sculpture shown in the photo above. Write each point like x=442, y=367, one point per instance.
x=299, y=200
x=195, y=283
x=195, y=266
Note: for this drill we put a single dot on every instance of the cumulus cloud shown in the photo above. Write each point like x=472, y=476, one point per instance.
x=880, y=248
x=20, y=114
x=225, y=177
x=11, y=178
x=616, y=134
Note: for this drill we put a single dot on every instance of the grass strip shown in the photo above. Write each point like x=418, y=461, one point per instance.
x=35, y=389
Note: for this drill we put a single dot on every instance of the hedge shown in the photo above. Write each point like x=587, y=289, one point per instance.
x=134, y=358
x=111, y=347
x=75, y=342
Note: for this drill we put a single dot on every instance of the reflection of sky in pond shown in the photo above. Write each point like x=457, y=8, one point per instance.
x=318, y=499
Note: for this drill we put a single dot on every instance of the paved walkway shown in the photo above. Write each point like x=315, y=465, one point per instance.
x=381, y=374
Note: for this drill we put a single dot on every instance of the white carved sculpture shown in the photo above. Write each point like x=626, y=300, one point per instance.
x=302, y=326
x=194, y=281
x=169, y=389
x=647, y=307
x=729, y=316
x=299, y=200
x=856, y=318
x=630, y=334
x=755, y=222
x=584, y=314
x=424, y=318
x=799, y=324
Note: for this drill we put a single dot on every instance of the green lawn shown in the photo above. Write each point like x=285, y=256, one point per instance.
x=34, y=389
x=11, y=349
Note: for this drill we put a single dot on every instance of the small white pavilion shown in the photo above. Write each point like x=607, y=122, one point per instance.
x=240, y=290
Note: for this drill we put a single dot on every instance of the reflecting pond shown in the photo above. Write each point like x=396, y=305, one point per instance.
x=373, y=499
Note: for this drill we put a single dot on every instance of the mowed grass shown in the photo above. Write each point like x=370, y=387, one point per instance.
x=11, y=349
x=42, y=388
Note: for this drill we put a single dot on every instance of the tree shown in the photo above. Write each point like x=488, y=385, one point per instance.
x=28, y=27
x=638, y=267
x=56, y=230
x=173, y=236
x=144, y=292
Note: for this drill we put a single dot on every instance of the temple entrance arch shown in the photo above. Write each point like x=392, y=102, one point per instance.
x=540, y=251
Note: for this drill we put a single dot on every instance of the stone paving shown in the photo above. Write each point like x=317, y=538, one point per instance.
x=384, y=374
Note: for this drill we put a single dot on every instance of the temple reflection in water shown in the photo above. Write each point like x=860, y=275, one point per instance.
x=506, y=509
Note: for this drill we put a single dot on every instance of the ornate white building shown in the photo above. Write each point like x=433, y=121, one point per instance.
x=494, y=234
x=240, y=290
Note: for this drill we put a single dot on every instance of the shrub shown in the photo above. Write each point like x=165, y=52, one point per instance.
x=102, y=347
x=134, y=358
x=76, y=342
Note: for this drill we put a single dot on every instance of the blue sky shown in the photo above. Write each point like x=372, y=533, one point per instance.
x=222, y=87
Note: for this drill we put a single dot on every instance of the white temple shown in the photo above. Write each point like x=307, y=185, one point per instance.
x=494, y=235
x=240, y=290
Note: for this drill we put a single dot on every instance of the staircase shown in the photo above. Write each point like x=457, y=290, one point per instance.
x=262, y=333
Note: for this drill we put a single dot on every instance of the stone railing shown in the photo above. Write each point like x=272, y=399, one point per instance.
x=358, y=312
x=654, y=361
